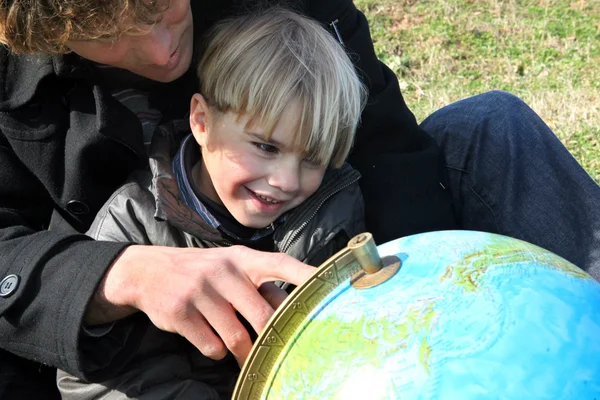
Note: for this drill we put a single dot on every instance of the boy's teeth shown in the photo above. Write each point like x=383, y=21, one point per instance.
x=267, y=199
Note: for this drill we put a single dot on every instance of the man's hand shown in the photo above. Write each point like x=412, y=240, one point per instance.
x=189, y=290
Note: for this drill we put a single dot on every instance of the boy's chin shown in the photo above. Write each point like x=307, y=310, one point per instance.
x=254, y=224
x=257, y=225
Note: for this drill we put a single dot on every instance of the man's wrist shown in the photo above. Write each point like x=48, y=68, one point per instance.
x=109, y=302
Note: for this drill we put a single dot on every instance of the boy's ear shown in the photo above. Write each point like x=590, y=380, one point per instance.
x=198, y=113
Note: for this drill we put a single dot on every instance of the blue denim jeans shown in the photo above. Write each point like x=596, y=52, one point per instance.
x=509, y=174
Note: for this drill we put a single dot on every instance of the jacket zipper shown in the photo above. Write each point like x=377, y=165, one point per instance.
x=299, y=232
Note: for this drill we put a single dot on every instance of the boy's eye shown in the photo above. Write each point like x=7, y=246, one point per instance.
x=269, y=148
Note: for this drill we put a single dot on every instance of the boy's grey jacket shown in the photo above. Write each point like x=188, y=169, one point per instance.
x=149, y=210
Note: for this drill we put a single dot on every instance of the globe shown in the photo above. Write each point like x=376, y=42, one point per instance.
x=468, y=315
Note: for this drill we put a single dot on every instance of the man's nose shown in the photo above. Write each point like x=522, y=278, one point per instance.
x=157, y=45
x=286, y=176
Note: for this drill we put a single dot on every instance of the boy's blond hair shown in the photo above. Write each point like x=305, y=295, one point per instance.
x=260, y=63
x=41, y=26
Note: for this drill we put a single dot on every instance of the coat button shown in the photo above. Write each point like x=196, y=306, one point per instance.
x=9, y=285
x=76, y=207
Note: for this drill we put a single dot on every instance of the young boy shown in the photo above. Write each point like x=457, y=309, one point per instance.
x=264, y=167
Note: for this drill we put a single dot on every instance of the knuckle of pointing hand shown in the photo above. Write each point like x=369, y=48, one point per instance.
x=214, y=351
x=221, y=271
x=211, y=349
x=236, y=340
x=177, y=306
x=238, y=250
x=263, y=313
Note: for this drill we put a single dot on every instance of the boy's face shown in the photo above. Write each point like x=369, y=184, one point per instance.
x=163, y=54
x=257, y=180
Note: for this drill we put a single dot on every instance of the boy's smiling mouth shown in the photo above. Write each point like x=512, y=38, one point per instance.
x=269, y=204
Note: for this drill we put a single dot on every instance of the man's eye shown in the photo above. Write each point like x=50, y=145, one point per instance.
x=269, y=148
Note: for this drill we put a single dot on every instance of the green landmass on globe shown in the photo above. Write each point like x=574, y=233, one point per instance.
x=505, y=252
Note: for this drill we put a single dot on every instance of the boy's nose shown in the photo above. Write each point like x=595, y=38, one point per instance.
x=286, y=177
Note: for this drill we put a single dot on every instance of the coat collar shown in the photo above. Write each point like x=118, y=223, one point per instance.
x=21, y=75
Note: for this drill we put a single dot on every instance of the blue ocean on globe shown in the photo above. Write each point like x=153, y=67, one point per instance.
x=470, y=315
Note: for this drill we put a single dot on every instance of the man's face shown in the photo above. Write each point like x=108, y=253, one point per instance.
x=163, y=54
x=256, y=179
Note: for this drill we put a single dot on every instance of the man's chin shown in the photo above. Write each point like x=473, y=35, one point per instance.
x=167, y=76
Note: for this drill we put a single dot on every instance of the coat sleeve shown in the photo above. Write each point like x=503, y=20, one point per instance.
x=42, y=322
x=129, y=216
x=401, y=165
x=123, y=217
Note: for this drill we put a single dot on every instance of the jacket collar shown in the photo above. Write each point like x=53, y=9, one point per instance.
x=169, y=204
x=21, y=74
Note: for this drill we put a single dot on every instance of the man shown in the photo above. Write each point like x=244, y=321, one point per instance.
x=72, y=127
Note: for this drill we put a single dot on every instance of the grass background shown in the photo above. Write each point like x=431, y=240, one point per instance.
x=545, y=51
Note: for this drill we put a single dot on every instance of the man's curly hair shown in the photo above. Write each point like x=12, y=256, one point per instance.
x=45, y=26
